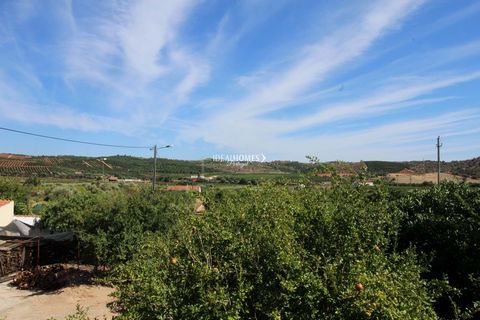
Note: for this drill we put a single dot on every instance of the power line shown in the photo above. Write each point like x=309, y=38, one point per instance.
x=74, y=141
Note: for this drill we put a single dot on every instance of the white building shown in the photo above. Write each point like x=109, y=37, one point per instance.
x=18, y=225
x=6, y=212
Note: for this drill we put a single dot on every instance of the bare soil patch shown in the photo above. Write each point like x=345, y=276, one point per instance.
x=32, y=303
x=426, y=177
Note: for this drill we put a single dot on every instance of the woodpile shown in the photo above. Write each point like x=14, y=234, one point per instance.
x=45, y=278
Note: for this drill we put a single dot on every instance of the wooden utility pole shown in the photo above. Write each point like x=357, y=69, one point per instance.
x=439, y=145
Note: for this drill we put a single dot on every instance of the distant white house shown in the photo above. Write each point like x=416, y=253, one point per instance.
x=131, y=180
x=201, y=177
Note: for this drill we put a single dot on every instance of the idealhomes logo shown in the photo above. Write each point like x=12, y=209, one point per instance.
x=239, y=159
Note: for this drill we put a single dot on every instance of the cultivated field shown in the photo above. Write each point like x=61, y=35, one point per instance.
x=427, y=177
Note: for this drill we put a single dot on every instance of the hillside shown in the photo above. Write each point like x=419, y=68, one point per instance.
x=130, y=167
x=134, y=167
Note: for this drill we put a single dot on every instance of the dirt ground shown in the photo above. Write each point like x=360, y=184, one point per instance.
x=29, y=305
x=426, y=177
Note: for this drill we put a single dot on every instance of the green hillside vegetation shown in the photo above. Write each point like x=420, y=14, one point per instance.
x=124, y=166
x=384, y=167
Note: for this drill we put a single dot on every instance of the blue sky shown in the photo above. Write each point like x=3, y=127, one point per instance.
x=341, y=80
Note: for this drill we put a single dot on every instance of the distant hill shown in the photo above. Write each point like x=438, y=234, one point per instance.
x=131, y=167
x=134, y=167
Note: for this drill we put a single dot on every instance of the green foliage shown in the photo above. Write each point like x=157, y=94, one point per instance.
x=276, y=253
x=384, y=167
x=13, y=190
x=110, y=223
x=33, y=181
x=81, y=313
x=443, y=223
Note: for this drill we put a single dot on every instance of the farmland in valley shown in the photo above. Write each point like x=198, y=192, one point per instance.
x=76, y=167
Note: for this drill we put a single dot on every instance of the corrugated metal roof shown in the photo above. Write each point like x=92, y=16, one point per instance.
x=29, y=220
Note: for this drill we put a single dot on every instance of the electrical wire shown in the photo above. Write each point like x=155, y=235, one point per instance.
x=74, y=141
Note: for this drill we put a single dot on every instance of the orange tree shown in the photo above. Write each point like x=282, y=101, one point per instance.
x=276, y=253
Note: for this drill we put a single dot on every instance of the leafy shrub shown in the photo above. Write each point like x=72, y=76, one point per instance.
x=13, y=190
x=33, y=181
x=59, y=192
x=110, y=223
x=443, y=223
x=81, y=313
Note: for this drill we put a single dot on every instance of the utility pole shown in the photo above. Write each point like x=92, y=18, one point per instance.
x=439, y=145
x=155, y=148
x=154, y=182
x=103, y=166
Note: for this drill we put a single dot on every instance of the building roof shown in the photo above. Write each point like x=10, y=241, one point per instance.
x=185, y=188
x=328, y=174
x=29, y=220
x=406, y=171
x=4, y=202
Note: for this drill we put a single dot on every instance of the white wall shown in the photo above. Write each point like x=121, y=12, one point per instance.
x=6, y=214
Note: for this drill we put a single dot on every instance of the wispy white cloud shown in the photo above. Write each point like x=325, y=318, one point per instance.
x=398, y=140
x=137, y=45
x=149, y=27
x=319, y=59
x=387, y=99
x=274, y=136
x=133, y=54
x=17, y=104
x=196, y=72
x=315, y=62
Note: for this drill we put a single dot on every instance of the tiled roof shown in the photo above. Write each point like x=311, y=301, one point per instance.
x=406, y=171
x=184, y=188
x=4, y=202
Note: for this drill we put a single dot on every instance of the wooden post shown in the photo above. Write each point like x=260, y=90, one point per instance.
x=38, y=254
x=78, y=254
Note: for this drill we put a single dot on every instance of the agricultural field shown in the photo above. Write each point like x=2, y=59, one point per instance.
x=20, y=167
x=427, y=178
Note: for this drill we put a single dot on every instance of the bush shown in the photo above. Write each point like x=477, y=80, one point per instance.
x=81, y=313
x=13, y=190
x=443, y=224
x=33, y=181
x=109, y=224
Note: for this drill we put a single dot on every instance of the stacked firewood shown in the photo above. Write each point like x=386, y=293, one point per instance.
x=44, y=278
